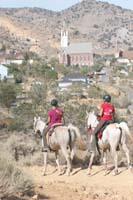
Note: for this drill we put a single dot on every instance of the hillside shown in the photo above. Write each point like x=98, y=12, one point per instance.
x=38, y=30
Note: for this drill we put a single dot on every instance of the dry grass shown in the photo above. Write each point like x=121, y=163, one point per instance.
x=12, y=179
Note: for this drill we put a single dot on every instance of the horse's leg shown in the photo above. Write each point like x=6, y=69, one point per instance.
x=90, y=163
x=126, y=150
x=57, y=162
x=72, y=151
x=115, y=156
x=105, y=162
x=68, y=159
x=45, y=155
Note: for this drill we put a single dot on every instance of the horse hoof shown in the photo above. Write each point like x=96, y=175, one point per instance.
x=68, y=173
x=88, y=173
x=44, y=173
x=115, y=173
x=60, y=173
x=106, y=173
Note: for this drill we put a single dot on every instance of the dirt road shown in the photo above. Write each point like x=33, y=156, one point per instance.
x=79, y=186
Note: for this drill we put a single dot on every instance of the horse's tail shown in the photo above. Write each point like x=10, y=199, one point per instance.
x=74, y=129
x=125, y=129
x=77, y=135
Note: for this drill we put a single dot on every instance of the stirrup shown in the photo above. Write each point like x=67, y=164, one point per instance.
x=45, y=149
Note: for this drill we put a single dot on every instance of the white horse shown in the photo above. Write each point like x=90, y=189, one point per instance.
x=113, y=135
x=63, y=138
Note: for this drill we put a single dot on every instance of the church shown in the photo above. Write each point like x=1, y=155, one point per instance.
x=75, y=54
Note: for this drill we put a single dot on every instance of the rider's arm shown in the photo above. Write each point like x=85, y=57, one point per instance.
x=48, y=121
x=114, y=115
x=63, y=120
x=101, y=112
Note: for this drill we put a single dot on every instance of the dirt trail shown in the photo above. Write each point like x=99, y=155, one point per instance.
x=79, y=186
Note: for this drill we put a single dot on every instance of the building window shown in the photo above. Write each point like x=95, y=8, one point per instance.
x=72, y=58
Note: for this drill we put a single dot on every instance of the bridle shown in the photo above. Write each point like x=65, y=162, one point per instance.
x=90, y=127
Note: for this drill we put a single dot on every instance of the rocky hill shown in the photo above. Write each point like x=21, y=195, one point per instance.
x=38, y=30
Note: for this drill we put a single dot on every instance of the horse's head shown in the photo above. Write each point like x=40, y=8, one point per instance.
x=91, y=120
x=38, y=126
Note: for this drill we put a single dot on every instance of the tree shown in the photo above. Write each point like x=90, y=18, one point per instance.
x=8, y=93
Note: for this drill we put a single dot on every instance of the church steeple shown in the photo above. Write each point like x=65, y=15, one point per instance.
x=64, y=39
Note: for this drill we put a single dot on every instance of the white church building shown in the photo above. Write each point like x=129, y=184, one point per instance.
x=78, y=54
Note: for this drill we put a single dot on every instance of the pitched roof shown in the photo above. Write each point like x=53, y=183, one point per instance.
x=75, y=76
x=78, y=48
x=128, y=55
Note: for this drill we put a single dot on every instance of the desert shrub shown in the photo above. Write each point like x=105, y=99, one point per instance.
x=51, y=74
x=95, y=92
x=38, y=93
x=84, y=70
x=16, y=124
x=12, y=179
x=20, y=147
x=98, y=67
x=23, y=117
x=8, y=93
x=75, y=114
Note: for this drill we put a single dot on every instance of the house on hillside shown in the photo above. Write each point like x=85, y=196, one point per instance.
x=128, y=55
x=18, y=59
x=125, y=57
x=4, y=72
x=72, y=78
x=75, y=53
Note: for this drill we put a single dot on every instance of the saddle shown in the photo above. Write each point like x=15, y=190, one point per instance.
x=99, y=135
x=51, y=131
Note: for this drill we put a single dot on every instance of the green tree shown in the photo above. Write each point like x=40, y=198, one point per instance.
x=8, y=93
x=3, y=48
x=38, y=94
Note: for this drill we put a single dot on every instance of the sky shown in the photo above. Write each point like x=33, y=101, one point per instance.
x=57, y=5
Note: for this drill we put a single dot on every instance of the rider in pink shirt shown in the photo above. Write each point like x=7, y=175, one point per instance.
x=55, y=115
x=55, y=118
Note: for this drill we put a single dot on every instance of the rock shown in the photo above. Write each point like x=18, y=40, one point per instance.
x=130, y=109
x=75, y=190
x=95, y=196
x=21, y=194
x=124, y=101
x=40, y=186
x=83, y=188
x=130, y=121
x=35, y=197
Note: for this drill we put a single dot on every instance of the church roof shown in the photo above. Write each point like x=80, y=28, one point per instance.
x=78, y=48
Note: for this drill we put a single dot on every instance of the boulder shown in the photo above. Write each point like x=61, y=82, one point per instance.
x=124, y=101
x=130, y=109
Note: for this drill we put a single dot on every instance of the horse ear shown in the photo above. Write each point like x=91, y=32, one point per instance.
x=93, y=111
x=39, y=118
x=35, y=119
x=87, y=113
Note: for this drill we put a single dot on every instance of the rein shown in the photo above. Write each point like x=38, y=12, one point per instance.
x=90, y=127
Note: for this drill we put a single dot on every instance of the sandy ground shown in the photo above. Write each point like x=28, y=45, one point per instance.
x=79, y=186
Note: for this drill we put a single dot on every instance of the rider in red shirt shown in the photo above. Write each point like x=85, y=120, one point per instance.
x=55, y=118
x=107, y=113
